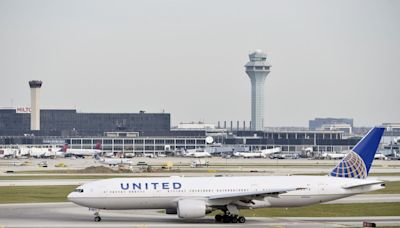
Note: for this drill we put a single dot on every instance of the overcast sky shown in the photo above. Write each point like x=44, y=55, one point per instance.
x=329, y=58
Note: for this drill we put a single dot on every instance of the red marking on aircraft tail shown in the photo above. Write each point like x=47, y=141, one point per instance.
x=65, y=148
x=98, y=146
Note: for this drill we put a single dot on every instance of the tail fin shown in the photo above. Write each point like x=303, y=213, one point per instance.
x=358, y=161
x=64, y=148
x=98, y=146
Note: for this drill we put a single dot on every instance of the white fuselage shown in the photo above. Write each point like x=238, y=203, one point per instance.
x=37, y=152
x=250, y=154
x=259, y=154
x=164, y=193
x=8, y=152
x=197, y=154
x=116, y=161
x=82, y=152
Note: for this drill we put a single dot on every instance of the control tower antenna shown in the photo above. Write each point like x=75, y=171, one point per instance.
x=257, y=69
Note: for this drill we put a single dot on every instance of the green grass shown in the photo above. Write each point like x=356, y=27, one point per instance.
x=35, y=194
x=327, y=210
x=392, y=187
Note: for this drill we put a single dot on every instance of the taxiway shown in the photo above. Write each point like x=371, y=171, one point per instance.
x=70, y=215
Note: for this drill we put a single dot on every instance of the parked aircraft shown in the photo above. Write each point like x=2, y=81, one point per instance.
x=259, y=154
x=334, y=156
x=8, y=152
x=81, y=152
x=194, y=197
x=380, y=157
x=38, y=152
x=113, y=161
x=196, y=153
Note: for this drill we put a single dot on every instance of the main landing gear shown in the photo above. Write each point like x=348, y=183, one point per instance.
x=225, y=218
x=230, y=215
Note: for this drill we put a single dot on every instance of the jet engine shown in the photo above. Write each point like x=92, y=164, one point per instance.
x=190, y=208
x=171, y=211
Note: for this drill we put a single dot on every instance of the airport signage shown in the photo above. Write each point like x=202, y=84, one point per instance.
x=23, y=110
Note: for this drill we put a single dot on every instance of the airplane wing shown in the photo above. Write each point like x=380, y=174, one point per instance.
x=251, y=195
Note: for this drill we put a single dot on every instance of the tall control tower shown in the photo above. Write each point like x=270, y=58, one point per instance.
x=257, y=70
x=35, y=104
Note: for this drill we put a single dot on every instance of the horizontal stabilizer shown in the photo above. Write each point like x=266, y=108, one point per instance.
x=350, y=186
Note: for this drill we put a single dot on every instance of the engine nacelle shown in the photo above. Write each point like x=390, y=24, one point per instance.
x=190, y=208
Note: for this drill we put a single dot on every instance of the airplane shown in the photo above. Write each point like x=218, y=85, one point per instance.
x=194, y=197
x=196, y=153
x=261, y=154
x=35, y=152
x=81, y=153
x=335, y=156
x=380, y=157
x=8, y=153
x=113, y=161
x=42, y=152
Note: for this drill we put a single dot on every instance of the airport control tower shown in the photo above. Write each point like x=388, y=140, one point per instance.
x=257, y=70
x=35, y=104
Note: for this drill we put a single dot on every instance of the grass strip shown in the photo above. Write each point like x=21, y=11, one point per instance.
x=392, y=187
x=35, y=194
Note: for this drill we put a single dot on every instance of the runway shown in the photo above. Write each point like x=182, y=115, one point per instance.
x=70, y=215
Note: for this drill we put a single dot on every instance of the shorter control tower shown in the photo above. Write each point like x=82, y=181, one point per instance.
x=35, y=86
x=257, y=70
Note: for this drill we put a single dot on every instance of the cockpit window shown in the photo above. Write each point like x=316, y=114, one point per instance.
x=78, y=190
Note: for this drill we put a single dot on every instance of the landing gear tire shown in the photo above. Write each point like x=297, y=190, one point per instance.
x=226, y=219
x=241, y=219
x=234, y=219
x=97, y=219
x=218, y=218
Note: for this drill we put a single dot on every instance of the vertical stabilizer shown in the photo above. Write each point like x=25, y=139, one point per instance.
x=358, y=161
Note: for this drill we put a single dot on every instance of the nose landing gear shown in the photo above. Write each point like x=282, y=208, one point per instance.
x=97, y=218
x=96, y=214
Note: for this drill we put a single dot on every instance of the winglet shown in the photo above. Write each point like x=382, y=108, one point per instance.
x=358, y=161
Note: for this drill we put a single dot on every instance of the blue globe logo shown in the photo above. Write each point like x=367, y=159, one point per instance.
x=351, y=166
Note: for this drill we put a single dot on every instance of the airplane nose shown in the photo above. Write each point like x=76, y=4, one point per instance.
x=71, y=197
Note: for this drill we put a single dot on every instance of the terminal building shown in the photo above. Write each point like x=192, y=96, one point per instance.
x=330, y=141
x=151, y=133
x=69, y=122
x=320, y=123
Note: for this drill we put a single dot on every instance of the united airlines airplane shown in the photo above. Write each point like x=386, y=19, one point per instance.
x=194, y=197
